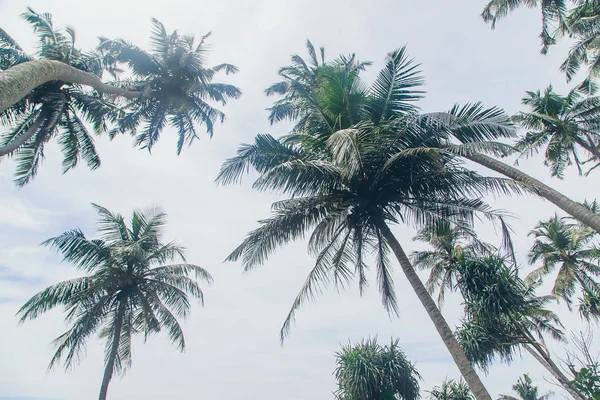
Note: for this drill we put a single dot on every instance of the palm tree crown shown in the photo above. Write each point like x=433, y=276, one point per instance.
x=526, y=391
x=569, y=247
x=131, y=287
x=56, y=109
x=175, y=83
x=451, y=390
x=562, y=124
x=370, y=371
x=449, y=244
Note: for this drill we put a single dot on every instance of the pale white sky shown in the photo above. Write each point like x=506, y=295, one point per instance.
x=232, y=344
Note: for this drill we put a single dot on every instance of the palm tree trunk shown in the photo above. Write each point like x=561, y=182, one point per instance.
x=16, y=82
x=20, y=140
x=573, y=208
x=461, y=360
x=554, y=370
x=114, y=348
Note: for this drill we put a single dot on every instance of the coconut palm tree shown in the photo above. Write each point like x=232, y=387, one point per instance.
x=370, y=371
x=553, y=12
x=48, y=94
x=56, y=109
x=448, y=243
x=561, y=124
x=131, y=287
x=176, y=86
x=526, y=391
x=561, y=244
x=451, y=390
x=504, y=315
x=346, y=185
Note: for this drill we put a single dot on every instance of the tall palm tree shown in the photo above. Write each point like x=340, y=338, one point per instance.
x=504, y=315
x=526, y=391
x=55, y=109
x=346, y=185
x=561, y=244
x=451, y=390
x=553, y=12
x=131, y=287
x=561, y=124
x=449, y=243
x=176, y=86
x=370, y=371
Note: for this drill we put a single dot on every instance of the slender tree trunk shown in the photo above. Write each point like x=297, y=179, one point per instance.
x=573, y=208
x=16, y=82
x=23, y=138
x=554, y=370
x=461, y=360
x=114, y=348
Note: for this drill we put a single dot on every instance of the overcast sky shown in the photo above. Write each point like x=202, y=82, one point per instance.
x=232, y=343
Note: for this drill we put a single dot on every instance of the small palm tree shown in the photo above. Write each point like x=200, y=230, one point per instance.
x=130, y=289
x=175, y=85
x=451, y=390
x=449, y=244
x=561, y=124
x=553, y=11
x=369, y=371
x=526, y=391
x=561, y=244
x=55, y=109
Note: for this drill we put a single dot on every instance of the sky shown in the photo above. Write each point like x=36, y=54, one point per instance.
x=232, y=349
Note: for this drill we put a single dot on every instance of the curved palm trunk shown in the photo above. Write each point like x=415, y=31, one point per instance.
x=573, y=208
x=463, y=364
x=554, y=370
x=114, y=348
x=16, y=82
x=590, y=147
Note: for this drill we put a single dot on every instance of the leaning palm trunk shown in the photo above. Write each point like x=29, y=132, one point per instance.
x=461, y=360
x=114, y=348
x=573, y=208
x=554, y=370
x=18, y=81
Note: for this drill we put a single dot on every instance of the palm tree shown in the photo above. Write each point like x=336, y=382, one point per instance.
x=370, y=371
x=561, y=124
x=176, y=85
x=448, y=246
x=568, y=247
x=553, y=11
x=54, y=109
x=170, y=86
x=346, y=184
x=451, y=390
x=526, y=391
x=504, y=315
x=130, y=288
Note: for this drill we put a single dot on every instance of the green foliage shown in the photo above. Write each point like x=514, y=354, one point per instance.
x=502, y=312
x=175, y=84
x=561, y=124
x=449, y=245
x=526, y=391
x=451, y=390
x=369, y=371
x=571, y=248
x=587, y=381
x=128, y=268
x=55, y=109
x=358, y=159
x=177, y=90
